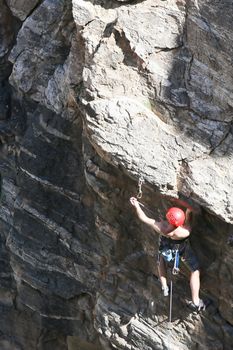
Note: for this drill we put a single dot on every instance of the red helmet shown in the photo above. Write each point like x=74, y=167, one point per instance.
x=175, y=216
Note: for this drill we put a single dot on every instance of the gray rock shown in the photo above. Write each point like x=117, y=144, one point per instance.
x=22, y=8
x=33, y=45
x=146, y=146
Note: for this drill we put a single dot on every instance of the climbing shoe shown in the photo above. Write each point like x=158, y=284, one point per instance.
x=165, y=291
x=197, y=308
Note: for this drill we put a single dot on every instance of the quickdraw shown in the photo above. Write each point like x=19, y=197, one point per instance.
x=176, y=269
x=140, y=183
x=172, y=254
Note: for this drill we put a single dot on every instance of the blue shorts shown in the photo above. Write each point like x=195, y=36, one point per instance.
x=189, y=258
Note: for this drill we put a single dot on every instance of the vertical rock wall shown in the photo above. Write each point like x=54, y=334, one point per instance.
x=93, y=95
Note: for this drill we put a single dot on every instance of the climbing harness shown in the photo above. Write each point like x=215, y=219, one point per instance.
x=172, y=254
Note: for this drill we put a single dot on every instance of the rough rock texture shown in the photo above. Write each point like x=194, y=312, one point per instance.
x=95, y=94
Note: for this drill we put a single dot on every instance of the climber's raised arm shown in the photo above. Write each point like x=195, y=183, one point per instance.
x=156, y=225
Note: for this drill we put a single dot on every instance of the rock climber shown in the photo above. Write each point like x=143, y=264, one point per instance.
x=174, y=232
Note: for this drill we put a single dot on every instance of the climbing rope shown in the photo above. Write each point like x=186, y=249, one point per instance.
x=170, y=303
x=146, y=208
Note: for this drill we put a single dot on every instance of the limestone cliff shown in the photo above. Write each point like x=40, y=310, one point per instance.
x=95, y=94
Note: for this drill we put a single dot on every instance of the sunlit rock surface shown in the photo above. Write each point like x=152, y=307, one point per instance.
x=95, y=94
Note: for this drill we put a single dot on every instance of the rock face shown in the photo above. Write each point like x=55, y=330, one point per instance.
x=95, y=94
